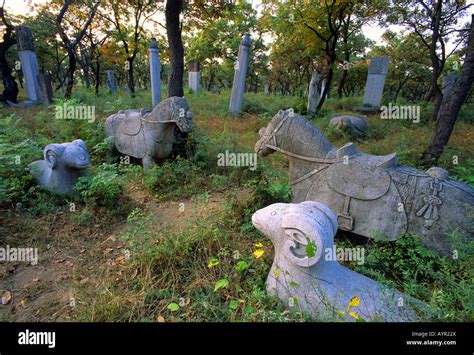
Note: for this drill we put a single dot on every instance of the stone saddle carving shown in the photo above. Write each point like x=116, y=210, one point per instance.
x=149, y=135
x=319, y=285
x=63, y=164
x=372, y=196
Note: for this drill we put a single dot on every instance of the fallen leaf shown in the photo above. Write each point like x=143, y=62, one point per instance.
x=160, y=319
x=134, y=274
x=259, y=245
x=23, y=303
x=213, y=262
x=6, y=297
x=173, y=307
x=84, y=281
x=258, y=253
x=220, y=284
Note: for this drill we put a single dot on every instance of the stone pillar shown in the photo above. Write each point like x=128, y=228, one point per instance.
x=194, y=76
x=267, y=89
x=111, y=82
x=313, y=92
x=323, y=85
x=238, y=86
x=378, y=70
x=46, y=89
x=155, y=73
x=29, y=63
x=448, y=83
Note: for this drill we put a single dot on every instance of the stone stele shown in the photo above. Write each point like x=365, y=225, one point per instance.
x=149, y=135
x=355, y=126
x=63, y=164
x=371, y=195
x=317, y=284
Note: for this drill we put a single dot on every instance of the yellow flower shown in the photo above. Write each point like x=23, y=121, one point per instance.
x=355, y=302
x=354, y=314
x=258, y=253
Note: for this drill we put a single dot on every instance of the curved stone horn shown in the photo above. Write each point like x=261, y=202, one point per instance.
x=301, y=231
x=52, y=153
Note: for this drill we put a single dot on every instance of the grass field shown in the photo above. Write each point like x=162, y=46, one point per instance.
x=176, y=243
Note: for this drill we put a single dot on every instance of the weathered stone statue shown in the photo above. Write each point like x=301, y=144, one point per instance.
x=372, y=196
x=63, y=164
x=355, y=126
x=317, y=284
x=146, y=134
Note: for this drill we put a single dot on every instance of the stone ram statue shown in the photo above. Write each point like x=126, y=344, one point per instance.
x=63, y=164
x=317, y=284
x=149, y=135
x=371, y=195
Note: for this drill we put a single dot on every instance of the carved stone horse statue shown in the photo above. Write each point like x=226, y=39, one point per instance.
x=371, y=195
x=149, y=135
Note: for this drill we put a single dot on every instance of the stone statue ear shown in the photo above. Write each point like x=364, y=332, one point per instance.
x=52, y=154
x=80, y=143
x=301, y=233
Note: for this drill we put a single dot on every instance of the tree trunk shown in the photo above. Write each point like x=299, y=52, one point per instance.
x=10, y=91
x=131, y=79
x=70, y=74
x=451, y=105
x=97, y=77
x=173, y=30
x=10, y=87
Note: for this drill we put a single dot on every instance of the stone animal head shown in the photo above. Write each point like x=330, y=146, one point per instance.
x=294, y=227
x=72, y=156
x=344, y=124
x=290, y=132
x=175, y=109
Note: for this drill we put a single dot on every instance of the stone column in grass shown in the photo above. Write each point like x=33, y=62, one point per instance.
x=313, y=92
x=29, y=63
x=267, y=89
x=194, y=76
x=111, y=82
x=240, y=66
x=46, y=89
x=155, y=73
x=378, y=70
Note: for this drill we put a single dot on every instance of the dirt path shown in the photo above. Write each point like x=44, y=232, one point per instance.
x=72, y=256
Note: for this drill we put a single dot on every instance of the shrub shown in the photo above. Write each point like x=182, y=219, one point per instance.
x=103, y=188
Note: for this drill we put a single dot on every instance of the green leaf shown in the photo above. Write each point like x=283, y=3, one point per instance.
x=213, y=262
x=293, y=284
x=173, y=307
x=311, y=248
x=233, y=304
x=241, y=266
x=220, y=284
x=248, y=309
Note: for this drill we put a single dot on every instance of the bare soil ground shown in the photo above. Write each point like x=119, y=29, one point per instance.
x=73, y=256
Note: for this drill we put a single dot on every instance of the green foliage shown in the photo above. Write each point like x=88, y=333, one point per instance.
x=463, y=172
x=104, y=187
x=443, y=282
